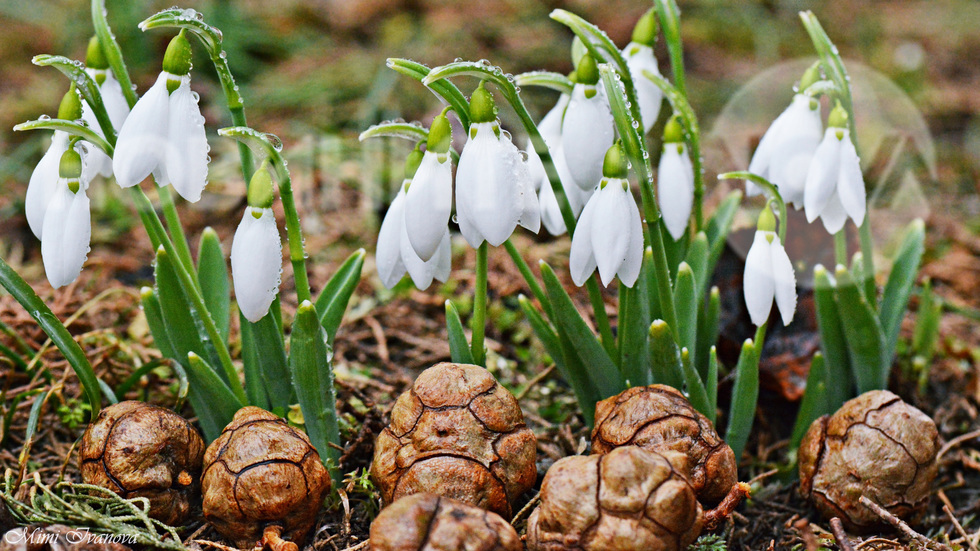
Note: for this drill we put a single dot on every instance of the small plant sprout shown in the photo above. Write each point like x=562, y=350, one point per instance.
x=587, y=130
x=256, y=252
x=785, y=151
x=675, y=180
x=769, y=274
x=67, y=227
x=609, y=235
x=834, y=184
x=116, y=107
x=429, y=198
x=395, y=255
x=164, y=134
x=639, y=58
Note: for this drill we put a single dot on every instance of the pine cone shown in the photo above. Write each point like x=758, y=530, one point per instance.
x=432, y=523
x=262, y=480
x=139, y=450
x=877, y=446
x=459, y=434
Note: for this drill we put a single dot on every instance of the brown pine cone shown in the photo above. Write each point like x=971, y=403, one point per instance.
x=624, y=500
x=139, y=450
x=459, y=434
x=262, y=480
x=659, y=418
x=877, y=446
x=428, y=522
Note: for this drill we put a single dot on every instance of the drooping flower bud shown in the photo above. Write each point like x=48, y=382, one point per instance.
x=95, y=59
x=482, y=106
x=70, y=108
x=177, y=60
x=441, y=133
x=645, y=31
x=261, y=192
x=614, y=164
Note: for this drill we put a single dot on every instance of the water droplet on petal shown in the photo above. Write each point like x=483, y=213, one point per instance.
x=44, y=118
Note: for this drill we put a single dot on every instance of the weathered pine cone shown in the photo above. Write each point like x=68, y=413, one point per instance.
x=139, y=450
x=459, y=434
x=659, y=418
x=627, y=499
x=877, y=446
x=263, y=480
x=432, y=523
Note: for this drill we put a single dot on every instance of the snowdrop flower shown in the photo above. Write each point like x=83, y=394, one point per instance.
x=494, y=191
x=639, y=58
x=44, y=180
x=256, y=251
x=588, y=128
x=675, y=181
x=429, y=200
x=784, y=153
x=834, y=184
x=768, y=274
x=67, y=227
x=112, y=99
x=164, y=134
x=550, y=130
x=609, y=235
x=395, y=254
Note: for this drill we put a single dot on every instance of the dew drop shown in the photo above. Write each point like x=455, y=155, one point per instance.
x=275, y=141
x=455, y=219
x=44, y=118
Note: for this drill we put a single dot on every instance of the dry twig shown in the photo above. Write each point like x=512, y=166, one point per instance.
x=955, y=442
x=838, y=530
x=902, y=527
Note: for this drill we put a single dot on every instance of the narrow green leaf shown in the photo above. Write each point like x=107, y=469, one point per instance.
x=865, y=339
x=312, y=375
x=696, y=393
x=217, y=405
x=814, y=402
x=634, y=343
x=670, y=21
x=665, y=357
x=545, y=332
x=85, y=85
x=718, y=227
x=898, y=289
x=110, y=395
x=396, y=129
x=14, y=358
x=545, y=79
x=686, y=305
x=154, y=319
x=252, y=368
x=55, y=330
x=459, y=349
x=72, y=128
x=336, y=294
x=272, y=367
x=707, y=329
x=33, y=419
x=697, y=259
x=926, y=332
x=675, y=251
x=137, y=374
x=532, y=282
x=445, y=89
x=833, y=342
x=602, y=371
x=711, y=385
x=212, y=272
x=177, y=318
x=745, y=395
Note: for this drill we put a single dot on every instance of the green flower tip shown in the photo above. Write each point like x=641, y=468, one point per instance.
x=177, y=60
x=261, y=192
x=578, y=50
x=838, y=117
x=811, y=75
x=673, y=130
x=767, y=220
x=614, y=165
x=414, y=159
x=95, y=55
x=645, y=31
x=440, y=134
x=71, y=106
x=71, y=165
x=658, y=328
x=482, y=107
x=587, y=72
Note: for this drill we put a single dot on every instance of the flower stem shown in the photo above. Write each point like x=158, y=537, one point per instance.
x=840, y=247
x=478, y=321
x=294, y=234
x=602, y=319
x=175, y=227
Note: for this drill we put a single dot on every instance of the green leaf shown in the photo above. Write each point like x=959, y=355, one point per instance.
x=532, y=282
x=55, y=330
x=898, y=289
x=814, y=402
x=312, y=375
x=212, y=272
x=832, y=341
x=602, y=371
x=697, y=259
x=670, y=21
x=711, y=385
x=154, y=319
x=72, y=128
x=696, y=393
x=745, y=395
x=718, y=227
x=927, y=318
x=707, y=329
x=396, y=129
x=545, y=332
x=675, y=251
x=445, y=89
x=252, y=367
x=865, y=339
x=215, y=407
x=545, y=79
x=87, y=87
x=665, y=357
x=599, y=45
x=459, y=349
x=686, y=305
x=265, y=337
x=178, y=320
x=336, y=294
x=634, y=343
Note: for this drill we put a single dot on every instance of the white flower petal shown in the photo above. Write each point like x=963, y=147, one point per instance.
x=419, y=270
x=833, y=214
x=429, y=204
x=256, y=263
x=758, y=281
x=581, y=258
x=443, y=258
x=67, y=234
x=530, y=215
x=187, y=151
x=141, y=146
x=44, y=182
x=821, y=178
x=96, y=162
x=550, y=211
x=388, y=256
x=587, y=132
x=489, y=180
x=675, y=188
x=791, y=155
x=550, y=130
x=850, y=183
x=115, y=102
x=759, y=164
x=640, y=58
x=630, y=269
x=611, y=228
x=784, y=280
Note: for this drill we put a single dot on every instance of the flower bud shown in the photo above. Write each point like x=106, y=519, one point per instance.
x=614, y=165
x=482, y=107
x=837, y=117
x=261, y=192
x=95, y=55
x=441, y=133
x=414, y=159
x=177, y=60
x=810, y=76
x=645, y=31
x=587, y=72
x=767, y=220
x=71, y=165
x=673, y=131
x=71, y=106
